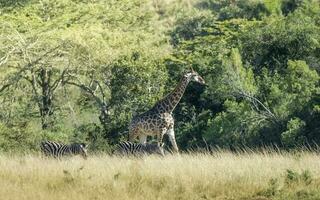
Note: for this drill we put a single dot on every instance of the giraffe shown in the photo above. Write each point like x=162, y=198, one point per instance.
x=159, y=120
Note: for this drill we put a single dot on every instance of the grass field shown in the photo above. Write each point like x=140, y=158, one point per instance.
x=254, y=176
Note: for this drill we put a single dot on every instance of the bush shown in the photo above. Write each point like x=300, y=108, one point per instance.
x=92, y=135
x=275, y=41
x=294, y=134
x=20, y=138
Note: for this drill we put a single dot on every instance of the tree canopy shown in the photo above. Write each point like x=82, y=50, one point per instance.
x=79, y=70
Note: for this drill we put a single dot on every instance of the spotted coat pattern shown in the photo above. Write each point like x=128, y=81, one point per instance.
x=159, y=120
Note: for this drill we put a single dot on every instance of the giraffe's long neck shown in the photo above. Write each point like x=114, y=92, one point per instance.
x=169, y=103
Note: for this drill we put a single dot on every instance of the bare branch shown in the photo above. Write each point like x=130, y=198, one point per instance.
x=15, y=78
x=5, y=58
x=5, y=87
x=57, y=82
x=88, y=90
x=34, y=88
x=101, y=91
x=255, y=100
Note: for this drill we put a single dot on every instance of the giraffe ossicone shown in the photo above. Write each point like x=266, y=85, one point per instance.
x=159, y=120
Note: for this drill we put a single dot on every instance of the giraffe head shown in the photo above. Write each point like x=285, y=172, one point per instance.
x=194, y=76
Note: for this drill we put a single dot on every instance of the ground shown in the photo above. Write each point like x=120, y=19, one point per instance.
x=222, y=175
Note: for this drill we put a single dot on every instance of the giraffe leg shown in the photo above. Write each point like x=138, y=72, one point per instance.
x=143, y=139
x=173, y=140
x=159, y=138
x=132, y=135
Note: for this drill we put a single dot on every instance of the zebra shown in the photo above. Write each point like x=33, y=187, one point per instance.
x=57, y=150
x=135, y=149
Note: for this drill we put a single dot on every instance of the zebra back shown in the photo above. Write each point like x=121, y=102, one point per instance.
x=57, y=150
x=134, y=149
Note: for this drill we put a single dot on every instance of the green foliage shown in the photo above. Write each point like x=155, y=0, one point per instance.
x=272, y=190
x=84, y=42
x=227, y=9
x=289, y=6
x=293, y=135
x=302, y=82
x=240, y=79
x=201, y=25
x=276, y=40
x=274, y=6
x=93, y=135
x=236, y=126
x=137, y=82
x=82, y=69
x=15, y=139
x=289, y=94
x=293, y=177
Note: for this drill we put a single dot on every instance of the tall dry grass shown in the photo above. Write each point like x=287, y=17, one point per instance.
x=188, y=176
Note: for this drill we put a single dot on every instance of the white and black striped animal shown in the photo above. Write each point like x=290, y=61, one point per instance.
x=58, y=150
x=135, y=149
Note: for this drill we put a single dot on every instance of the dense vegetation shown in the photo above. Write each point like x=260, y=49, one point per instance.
x=78, y=70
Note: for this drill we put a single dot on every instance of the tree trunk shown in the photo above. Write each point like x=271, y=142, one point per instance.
x=104, y=116
x=46, y=105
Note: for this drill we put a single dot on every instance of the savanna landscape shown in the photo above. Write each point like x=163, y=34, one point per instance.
x=244, y=114
x=222, y=175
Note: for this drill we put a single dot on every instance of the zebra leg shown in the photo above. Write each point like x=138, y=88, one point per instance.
x=173, y=140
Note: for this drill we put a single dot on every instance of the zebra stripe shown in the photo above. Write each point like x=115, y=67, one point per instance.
x=134, y=149
x=58, y=150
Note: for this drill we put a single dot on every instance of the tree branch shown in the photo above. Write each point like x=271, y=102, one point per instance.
x=4, y=59
x=18, y=75
x=13, y=79
x=254, y=100
x=34, y=88
x=88, y=90
x=57, y=82
x=101, y=91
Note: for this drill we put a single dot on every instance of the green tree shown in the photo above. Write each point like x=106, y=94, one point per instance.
x=228, y=9
x=277, y=39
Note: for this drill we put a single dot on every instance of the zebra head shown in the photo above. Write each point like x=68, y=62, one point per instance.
x=79, y=148
x=84, y=150
x=155, y=149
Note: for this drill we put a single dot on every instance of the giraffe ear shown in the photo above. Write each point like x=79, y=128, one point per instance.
x=188, y=70
x=84, y=145
x=160, y=145
x=191, y=69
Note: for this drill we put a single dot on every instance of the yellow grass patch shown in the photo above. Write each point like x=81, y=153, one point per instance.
x=187, y=176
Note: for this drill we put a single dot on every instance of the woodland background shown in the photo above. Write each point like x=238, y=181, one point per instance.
x=79, y=70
